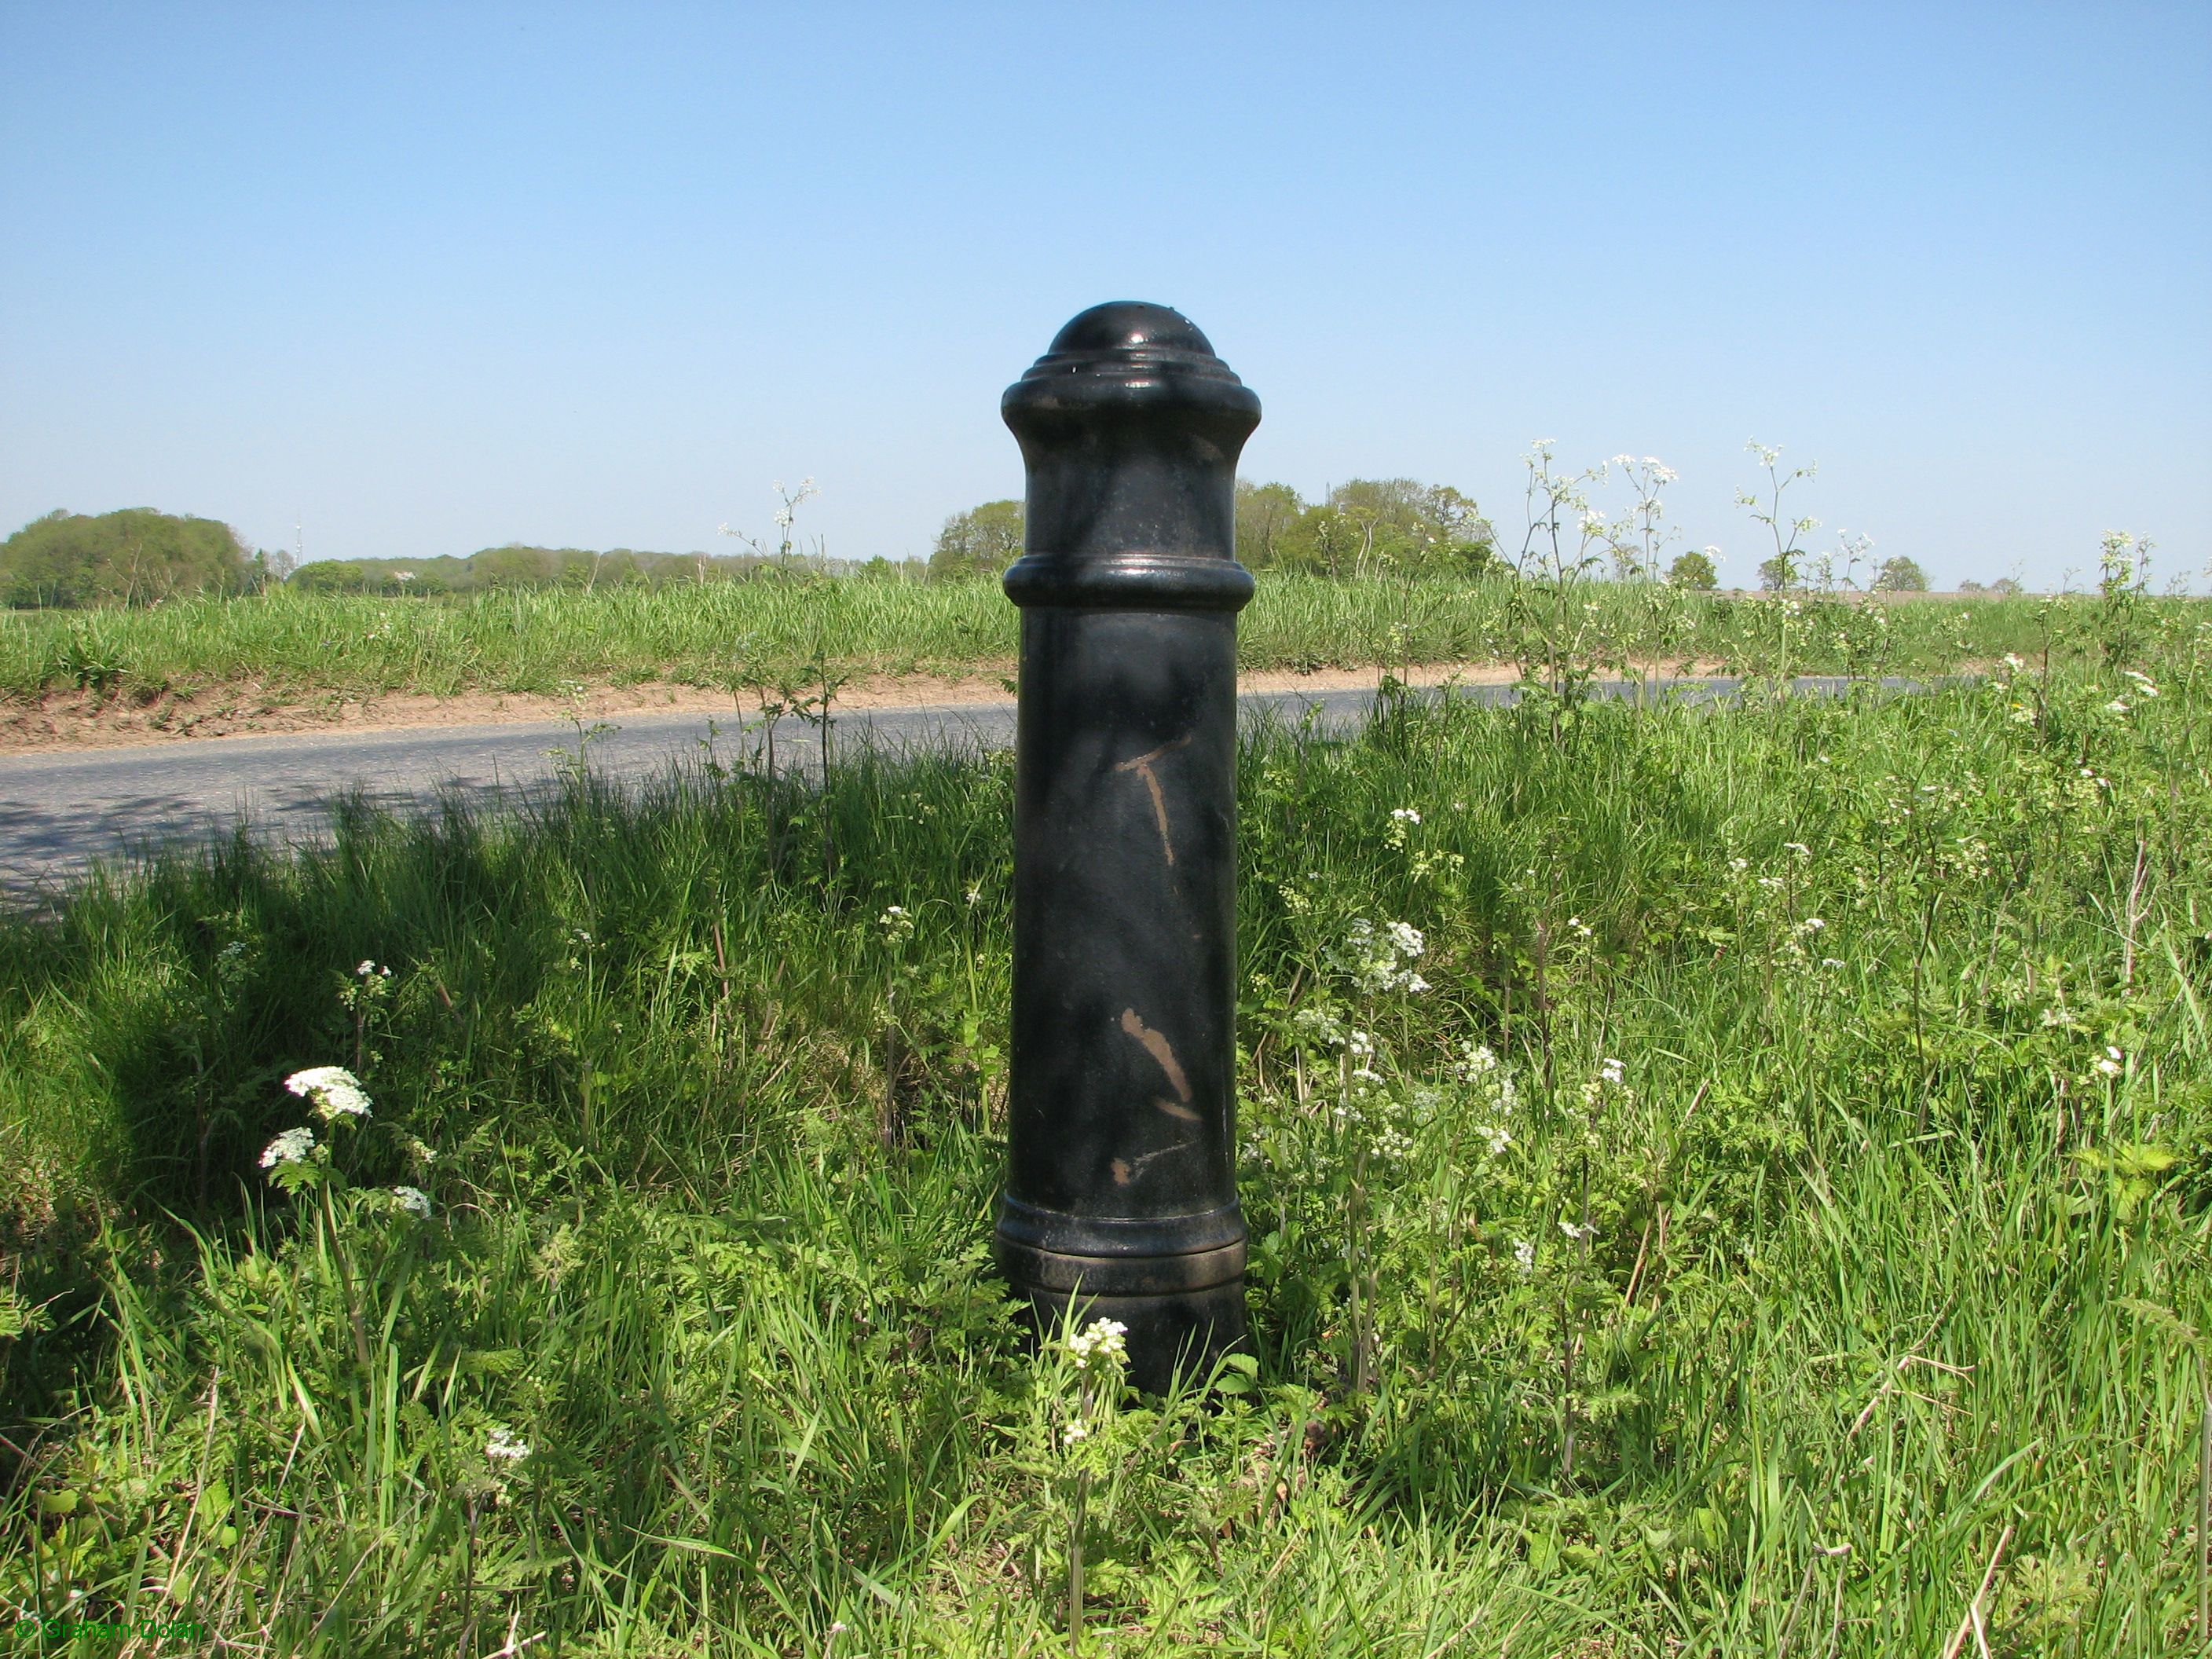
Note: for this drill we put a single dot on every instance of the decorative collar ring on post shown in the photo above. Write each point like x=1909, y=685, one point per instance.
x=1121, y=1182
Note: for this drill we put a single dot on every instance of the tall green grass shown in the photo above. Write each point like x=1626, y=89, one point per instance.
x=543, y=640
x=1880, y=1258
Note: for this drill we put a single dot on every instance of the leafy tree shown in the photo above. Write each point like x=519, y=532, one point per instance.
x=1266, y=514
x=1900, y=574
x=1778, y=572
x=983, y=539
x=272, y=567
x=135, y=556
x=512, y=566
x=1322, y=539
x=1368, y=525
x=442, y=576
x=1398, y=522
x=1694, y=571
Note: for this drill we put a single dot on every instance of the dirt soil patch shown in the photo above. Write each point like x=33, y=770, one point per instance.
x=85, y=720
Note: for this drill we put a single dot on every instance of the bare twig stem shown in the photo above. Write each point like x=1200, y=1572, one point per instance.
x=2204, y=1524
x=1075, y=1565
x=1972, y=1624
x=2136, y=910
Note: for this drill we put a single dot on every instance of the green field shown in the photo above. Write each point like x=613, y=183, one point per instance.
x=720, y=634
x=1786, y=1208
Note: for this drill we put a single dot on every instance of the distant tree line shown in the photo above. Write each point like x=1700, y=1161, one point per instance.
x=1362, y=527
x=519, y=566
x=139, y=556
x=135, y=556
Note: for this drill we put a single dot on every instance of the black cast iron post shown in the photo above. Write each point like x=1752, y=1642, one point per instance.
x=1122, y=1181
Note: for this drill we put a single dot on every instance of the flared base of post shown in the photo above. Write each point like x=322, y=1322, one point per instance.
x=1183, y=1333
x=1184, y=1306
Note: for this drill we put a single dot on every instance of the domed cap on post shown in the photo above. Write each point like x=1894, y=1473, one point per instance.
x=1131, y=350
x=1130, y=426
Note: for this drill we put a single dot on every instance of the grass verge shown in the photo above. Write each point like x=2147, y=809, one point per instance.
x=1774, y=1220
x=295, y=646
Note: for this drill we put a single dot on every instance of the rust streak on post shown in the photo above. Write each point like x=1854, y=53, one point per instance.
x=1142, y=766
x=1157, y=1046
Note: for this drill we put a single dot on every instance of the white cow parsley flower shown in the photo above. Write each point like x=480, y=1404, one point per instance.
x=335, y=1091
x=1103, y=1339
x=290, y=1147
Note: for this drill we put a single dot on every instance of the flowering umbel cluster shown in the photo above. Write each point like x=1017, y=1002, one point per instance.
x=1101, y=1344
x=1611, y=1082
x=1380, y=959
x=290, y=1147
x=335, y=1091
x=293, y=1160
x=1489, y=1084
x=505, y=1453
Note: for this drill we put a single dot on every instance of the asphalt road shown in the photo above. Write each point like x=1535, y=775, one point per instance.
x=60, y=813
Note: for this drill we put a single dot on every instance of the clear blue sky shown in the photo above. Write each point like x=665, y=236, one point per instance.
x=438, y=276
